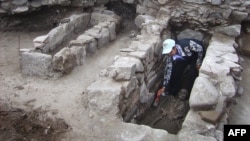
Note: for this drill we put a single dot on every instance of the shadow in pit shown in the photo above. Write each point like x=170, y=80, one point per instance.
x=168, y=115
x=170, y=112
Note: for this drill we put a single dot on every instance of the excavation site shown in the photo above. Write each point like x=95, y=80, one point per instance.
x=87, y=70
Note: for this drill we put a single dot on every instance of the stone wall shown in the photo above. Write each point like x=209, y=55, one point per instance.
x=143, y=6
x=212, y=90
x=51, y=58
x=24, y=6
x=137, y=68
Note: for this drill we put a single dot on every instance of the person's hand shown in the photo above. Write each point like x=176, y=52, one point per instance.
x=159, y=93
x=198, y=67
x=162, y=90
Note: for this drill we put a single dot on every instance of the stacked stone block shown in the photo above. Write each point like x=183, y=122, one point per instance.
x=64, y=59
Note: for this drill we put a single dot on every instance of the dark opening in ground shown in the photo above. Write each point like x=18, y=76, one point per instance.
x=169, y=114
x=43, y=19
x=127, y=12
x=172, y=109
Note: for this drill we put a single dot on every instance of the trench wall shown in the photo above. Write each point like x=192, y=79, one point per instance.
x=125, y=87
x=134, y=72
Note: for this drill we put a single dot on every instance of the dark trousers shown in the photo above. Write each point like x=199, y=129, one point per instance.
x=177, y=80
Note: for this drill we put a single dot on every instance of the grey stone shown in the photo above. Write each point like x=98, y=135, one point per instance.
x=203, y=95
x=227, y=86
x=188, y=33
x=36, y=3
x=36, y=64
x=141, y=9
x=112, y=31
x=130, y=86
x=80, y=21
x=56, y=36
x=19, y=2
x=104, y=39
x=210, y=116
x=80, y=53
x=140, y=19
x=232, y=30
x=163, y=1
x=145, y=96
x=103, y=97
x=216, y=2
x=101, y=17
x=20, y=9
x=238, y=16
x=45, y=2
x=64, y=61
x=91, y=43
x=129, y=1
x=124, y=68
x=189, y=136
x=195, y=1
x=5, y=5
x=195, y=124
x=41, y=43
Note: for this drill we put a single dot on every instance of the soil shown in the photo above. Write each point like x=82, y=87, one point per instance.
x=17, y=124
x=46, y=109
x=168, y=115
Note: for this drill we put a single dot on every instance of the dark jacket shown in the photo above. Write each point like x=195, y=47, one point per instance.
x=188, y=50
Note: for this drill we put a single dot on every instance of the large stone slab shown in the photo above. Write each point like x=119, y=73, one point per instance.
x=103, y=97
x=194, y=123
x=36, y=64
x=190, y=136
x=64, y=61
x=203, y=95
x=123, y=68
x=99, y=16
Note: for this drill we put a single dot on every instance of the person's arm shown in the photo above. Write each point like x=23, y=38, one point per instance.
x=167, y=72
x=199, y=49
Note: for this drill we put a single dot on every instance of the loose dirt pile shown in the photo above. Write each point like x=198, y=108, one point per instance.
x=17, y=124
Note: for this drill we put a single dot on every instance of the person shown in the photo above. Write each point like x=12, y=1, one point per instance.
x=180, y=55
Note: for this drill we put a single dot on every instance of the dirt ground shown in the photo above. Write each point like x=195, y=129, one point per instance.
x=24, y=114
x=17, y=124
x=168, y=115
x=45, y=109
